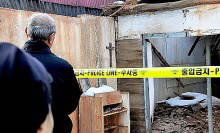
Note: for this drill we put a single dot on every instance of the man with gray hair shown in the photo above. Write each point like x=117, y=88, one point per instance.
x=41, y=30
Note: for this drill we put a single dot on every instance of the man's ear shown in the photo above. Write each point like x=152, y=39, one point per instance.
x=51, y=38
x=26, y=31
x=40, y=129
x=47, y=125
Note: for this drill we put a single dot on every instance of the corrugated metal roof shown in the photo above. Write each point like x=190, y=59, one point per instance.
x=83, y=3
x=49, y=7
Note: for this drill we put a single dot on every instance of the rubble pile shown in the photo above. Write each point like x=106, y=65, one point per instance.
x=169, y=119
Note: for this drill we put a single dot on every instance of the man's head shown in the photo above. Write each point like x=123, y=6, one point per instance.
x=41, y=27
x=25, y=93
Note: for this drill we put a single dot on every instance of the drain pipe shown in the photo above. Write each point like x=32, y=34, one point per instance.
x=146, y=89
x=209, y=89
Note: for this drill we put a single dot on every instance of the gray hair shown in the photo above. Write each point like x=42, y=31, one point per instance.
x=41, y=26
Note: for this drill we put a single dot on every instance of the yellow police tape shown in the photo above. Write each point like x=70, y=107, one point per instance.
x=156, y=72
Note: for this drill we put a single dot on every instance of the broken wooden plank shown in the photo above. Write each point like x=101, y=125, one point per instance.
x=158, y=54
x=116, y=111
x=194, y=45
x=117, y=11
x=107, y=128
x=140, y=8
x=121, y=129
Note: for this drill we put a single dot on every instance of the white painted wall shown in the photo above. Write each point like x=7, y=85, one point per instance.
x=194, y=21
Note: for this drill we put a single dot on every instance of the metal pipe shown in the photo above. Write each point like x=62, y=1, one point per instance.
x=146, y=90
x=209, y=89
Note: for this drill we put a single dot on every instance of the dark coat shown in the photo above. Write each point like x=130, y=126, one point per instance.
x=25, y=91
x=65, y=89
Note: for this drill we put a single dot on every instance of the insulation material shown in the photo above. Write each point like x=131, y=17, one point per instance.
x=92, y=91
x=195, y=98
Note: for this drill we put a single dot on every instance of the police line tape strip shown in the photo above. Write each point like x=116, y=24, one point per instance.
x=156, y=72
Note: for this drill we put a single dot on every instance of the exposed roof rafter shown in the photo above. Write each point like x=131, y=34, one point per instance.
x=141, y=8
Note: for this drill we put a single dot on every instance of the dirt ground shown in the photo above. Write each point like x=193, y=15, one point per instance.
x=184, y=119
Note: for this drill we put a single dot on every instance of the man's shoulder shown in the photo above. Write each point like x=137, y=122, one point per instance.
x=61, y=61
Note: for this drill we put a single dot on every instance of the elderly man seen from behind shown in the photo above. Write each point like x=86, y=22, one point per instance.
x=41, y=31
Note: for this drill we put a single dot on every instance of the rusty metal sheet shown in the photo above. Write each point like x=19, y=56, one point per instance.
x=81, y=41
x=51, y=8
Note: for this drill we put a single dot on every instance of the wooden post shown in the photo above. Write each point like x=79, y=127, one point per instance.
x=209, y=89
x=110, y=48
x=165, y=63
x=146, y=89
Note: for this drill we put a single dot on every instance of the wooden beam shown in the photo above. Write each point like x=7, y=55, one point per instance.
x=193, y=46
x=216, y=43
x=116, y=112
x=140, y=8
x=165, y=63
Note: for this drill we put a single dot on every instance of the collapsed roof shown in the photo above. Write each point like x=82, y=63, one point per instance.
x=127, y=8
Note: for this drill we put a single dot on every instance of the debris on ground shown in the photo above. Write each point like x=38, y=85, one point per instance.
x=168, y=119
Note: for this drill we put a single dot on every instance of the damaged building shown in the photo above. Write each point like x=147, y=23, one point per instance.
x=172, y=34
x=131, y=34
